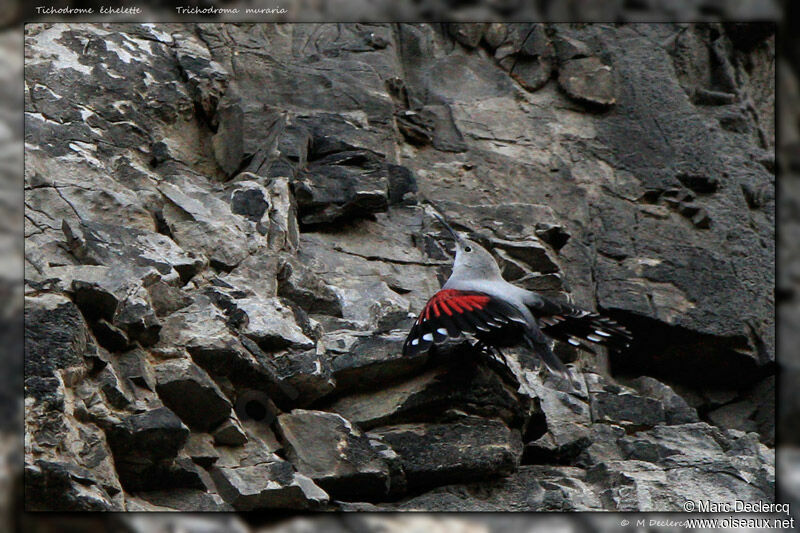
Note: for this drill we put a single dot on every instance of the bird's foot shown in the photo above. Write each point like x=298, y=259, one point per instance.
x=496, y=360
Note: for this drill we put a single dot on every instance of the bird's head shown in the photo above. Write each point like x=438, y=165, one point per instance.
x=472, y=259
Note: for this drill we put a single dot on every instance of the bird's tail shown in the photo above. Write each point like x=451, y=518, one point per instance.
x=583, y=328
x=541, y=348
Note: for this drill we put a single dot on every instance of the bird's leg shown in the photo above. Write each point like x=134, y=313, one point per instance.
x=502, y=356
x=482, y=347
x=497, y=360
x=506, y=368
x=488, y=350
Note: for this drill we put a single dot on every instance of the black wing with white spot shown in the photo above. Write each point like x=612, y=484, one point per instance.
x=450, y=313
x=573, y=325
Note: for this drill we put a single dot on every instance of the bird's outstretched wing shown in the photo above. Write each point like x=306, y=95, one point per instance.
x=450, y=313
x=574, y=325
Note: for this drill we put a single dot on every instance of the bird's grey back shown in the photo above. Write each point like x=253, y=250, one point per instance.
x=497, y=288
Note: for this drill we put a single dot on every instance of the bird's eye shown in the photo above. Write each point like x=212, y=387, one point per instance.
x=467, y=249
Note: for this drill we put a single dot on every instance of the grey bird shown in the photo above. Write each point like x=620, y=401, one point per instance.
x=477, y=301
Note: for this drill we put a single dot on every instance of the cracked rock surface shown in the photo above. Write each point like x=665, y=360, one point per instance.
x=229, y=227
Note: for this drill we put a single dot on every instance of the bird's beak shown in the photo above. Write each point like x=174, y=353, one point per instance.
x=446, y=225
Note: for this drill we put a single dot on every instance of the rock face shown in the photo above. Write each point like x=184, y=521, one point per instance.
x=335, y=454
x=228, y=226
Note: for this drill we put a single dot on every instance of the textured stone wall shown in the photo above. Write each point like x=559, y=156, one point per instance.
x=227, y=227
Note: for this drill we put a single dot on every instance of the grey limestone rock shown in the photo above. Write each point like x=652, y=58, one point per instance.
x=269, y=485
x=191, y=394
x=467, y=450
x=335, y=454
x=588, y=80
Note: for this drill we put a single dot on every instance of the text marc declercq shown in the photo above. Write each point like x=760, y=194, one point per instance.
x=738, y=506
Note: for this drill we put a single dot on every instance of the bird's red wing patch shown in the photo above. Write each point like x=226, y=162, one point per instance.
x=449, y=301
x=449, y=313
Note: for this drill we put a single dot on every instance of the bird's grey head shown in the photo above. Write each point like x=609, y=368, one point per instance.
x=472, y=261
